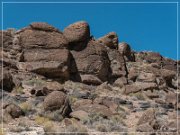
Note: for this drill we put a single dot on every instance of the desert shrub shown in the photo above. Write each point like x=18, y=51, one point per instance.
x=54, y=116
x=72, y=99
x=26, y=107
x=101, y=128
x=120, y=109
x=93, y=117
x=118, y=119
x=76, y=128
x=113, y=124
x=46, y=123
x=19, y=90
x=93, y=96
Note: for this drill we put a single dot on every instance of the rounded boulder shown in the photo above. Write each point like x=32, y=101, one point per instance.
x=77, y=32
x=54, y=101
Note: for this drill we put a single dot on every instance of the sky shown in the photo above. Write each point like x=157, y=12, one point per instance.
x=144, y=26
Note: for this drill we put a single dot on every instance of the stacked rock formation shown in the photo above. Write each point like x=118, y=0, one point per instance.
x=70, y=77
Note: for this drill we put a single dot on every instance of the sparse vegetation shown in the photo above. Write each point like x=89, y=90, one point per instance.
x=72, y=99
x=138, y=95
x=26, y=107
x=101, y=124
x=76, y=128
x=35, y=82
x=19, y=90
x=55, y=115
x=47, y=124
x=101, y=128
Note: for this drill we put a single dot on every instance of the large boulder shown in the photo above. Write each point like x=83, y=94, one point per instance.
x=51, y=69
x=125, y=50
x=80, y=115
x=92, y=79
x=147, y=117
x=13, y=110
x=52, y=63
x=117, y=64
x=77, y=34
x=57, y=100
x=168, y=75
x=42, y=36
x=93, y=60
x=6, y=80
x=110, y=40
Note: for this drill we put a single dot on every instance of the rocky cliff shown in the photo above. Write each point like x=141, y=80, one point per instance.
x=68, y=81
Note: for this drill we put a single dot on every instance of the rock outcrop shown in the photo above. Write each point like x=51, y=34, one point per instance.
x=71, y=82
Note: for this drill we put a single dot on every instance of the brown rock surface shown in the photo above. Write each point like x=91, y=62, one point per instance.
x=93, y=60
x=54, y=100
x=110, y=40
x=13, y=110
x=77, y=32
x=147, y=117
x=117, y=64
x=43, y=26
x=31, y=38
x=6, y=80
x=125, y=50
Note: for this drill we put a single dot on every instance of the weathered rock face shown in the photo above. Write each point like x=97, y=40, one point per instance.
x=147, y=117
x=110, y=40
x=77, y=34
x=146, y=77
x=43, y=26
x=149, y=57
x=6, y=80
x=40, y=35
x=169, y=64
x=139, y=86
x=125, y=50
x=156, y=58
x=50, y=63
x=93, y=60
x=117, y=64
x=47, y=55
x=7, y=39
